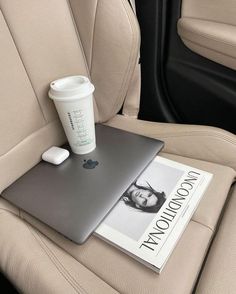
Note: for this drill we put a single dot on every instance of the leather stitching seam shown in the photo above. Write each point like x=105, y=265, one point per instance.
x=131, y=62
x=2, y=210
x=27, y=74
x=202, y=224
x=28, y=136
x=80, y=44
x=126, y=77
x=94, y=27
x=63, y=271
x=80, y=262
x=228, y=140
x=194, y=133
x=78, y=36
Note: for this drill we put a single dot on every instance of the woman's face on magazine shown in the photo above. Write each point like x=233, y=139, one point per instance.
x=143, y=198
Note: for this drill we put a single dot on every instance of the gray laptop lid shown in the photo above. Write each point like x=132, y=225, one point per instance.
x=74, y=197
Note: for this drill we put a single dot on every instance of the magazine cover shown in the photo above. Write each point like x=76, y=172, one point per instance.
x=154, y=211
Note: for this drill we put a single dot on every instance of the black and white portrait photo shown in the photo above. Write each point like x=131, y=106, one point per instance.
x=140, y=203
x=144, y=198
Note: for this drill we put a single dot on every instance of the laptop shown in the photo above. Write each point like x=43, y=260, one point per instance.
x=74, y=197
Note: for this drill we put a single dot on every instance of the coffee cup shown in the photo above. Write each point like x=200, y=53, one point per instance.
x=73, y=98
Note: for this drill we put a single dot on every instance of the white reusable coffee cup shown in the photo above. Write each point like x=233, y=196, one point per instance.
x=73, y=98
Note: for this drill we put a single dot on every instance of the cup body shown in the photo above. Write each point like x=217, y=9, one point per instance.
x=73, y=98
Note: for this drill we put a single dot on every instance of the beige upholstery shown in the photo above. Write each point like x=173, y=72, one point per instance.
x=187, y=140
x=53, y=53
x=215, y=41
x=60, y=51
x=116, y=268
x=37, y=266
x=131, y=103
x=219, y=272
x=103, y=25
x=28, y=152
x=217, y=10
x=14, y=76
x=132, y=100
x=100, y=39
x=209, y=28
x=40, y=61
x=39, y=44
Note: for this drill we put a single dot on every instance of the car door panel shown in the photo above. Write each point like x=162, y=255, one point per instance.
x=210, y=35
x=195, y=75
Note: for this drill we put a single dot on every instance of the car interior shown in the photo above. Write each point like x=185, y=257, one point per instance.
x=163, y=69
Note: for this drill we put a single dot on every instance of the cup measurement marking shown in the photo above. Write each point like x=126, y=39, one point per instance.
x=78, y=124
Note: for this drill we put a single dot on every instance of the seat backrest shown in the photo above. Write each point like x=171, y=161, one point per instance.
x=41, y=41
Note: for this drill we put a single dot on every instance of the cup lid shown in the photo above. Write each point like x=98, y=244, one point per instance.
x=70, y=88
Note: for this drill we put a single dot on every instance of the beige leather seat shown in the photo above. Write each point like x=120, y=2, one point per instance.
x=44, y=40
x=219, y=272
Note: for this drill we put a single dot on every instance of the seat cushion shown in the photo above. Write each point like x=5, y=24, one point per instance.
x=115, y=268
x=36, y=265
x=219, y=272
x=200, y=142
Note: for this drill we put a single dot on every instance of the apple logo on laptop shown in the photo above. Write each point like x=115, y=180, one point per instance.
x=90, y=164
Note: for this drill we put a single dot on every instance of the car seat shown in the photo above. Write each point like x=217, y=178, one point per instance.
x=48, y=39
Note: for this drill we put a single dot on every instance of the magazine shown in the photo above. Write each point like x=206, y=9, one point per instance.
x=153, y=212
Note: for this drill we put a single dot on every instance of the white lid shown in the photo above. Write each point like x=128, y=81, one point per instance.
x=70, y=88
